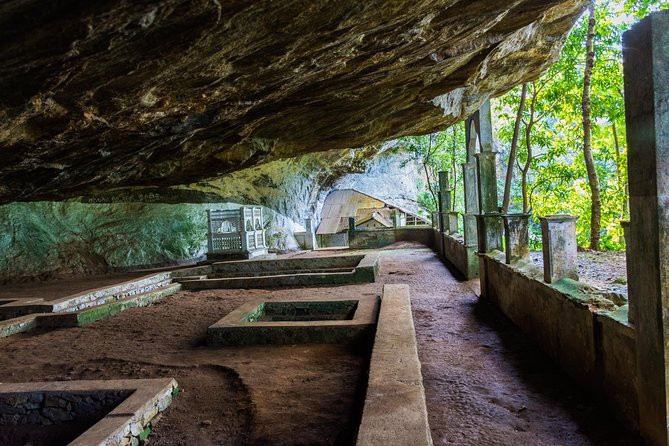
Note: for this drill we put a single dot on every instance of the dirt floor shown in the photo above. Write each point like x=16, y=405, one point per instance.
x=485, y=384
x=602, y=269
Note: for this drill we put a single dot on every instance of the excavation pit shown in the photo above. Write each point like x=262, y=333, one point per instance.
x=81, y=412
x=297, y=322
x=305, y=271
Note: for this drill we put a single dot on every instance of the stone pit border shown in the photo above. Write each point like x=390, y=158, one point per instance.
x=234, y=330
x=395, y=411
x=132, y=419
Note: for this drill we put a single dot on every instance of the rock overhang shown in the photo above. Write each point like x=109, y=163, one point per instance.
x=103, y=95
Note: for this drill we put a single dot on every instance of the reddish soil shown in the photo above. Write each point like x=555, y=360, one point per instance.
x=485, y=384
x=304, y=394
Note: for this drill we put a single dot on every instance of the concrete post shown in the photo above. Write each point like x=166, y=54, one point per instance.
x=489, y=221
x=516, y=237
x=470, y=179
x=444, y=192
x=210, y=246
x=646, y=72
x=631, y=301
x=444, y=200
x=486, y=168
x=242, y=230
x=309, y=237
x=558, y=236
x=453, y=222
x=485, y=128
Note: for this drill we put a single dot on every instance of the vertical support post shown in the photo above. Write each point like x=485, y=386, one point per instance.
x=631, y=300
x=516, y=237
x=210, y=243
x=453, y=222
x=263, y=242
x=470, y=180
x=309, y=237
x=444, y=200
x=489, y=221
x=242, y=230
x=646, y=72
x=485, y=128
x=558, y=237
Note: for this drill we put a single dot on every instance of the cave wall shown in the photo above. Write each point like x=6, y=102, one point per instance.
x=48, y=239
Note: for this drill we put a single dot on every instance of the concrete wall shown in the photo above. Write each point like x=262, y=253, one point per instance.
x=451, y=248
x=383, y=237
x=586, y=334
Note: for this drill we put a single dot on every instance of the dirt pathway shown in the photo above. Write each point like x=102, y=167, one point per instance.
x=485, y=384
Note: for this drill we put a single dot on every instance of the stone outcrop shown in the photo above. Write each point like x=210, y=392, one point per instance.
x=111, y=94
x=127, y=229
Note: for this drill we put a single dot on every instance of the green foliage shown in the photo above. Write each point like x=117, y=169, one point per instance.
x=557, y=179
x=441, y=151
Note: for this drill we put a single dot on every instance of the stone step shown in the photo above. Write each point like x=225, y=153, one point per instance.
x=88, y=315
x=80, y=300
x=119, y=296
x=18, y=325
x=86, y=299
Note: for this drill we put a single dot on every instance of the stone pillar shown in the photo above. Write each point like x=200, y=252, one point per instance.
x=646, y=72
x=558, y=237
x=309, y=236
x=471, y=203
x=242, y=230
x=444, y=192
x=210, y=246
x=444, y=201
x=490, y=231
x=453, y=222
x=516, y=237
x=489, y=221
x=485, y=127
x=631, y=302
x=397, y=219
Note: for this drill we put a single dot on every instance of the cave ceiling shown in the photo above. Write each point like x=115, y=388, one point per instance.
x=104, y=95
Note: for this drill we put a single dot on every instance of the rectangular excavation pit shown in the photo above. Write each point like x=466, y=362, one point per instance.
x=297, y=322
x=82, y=412
x=303, y=271
x=336, y=310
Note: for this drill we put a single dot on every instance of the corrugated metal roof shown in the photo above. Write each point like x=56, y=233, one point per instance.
x=342, y=204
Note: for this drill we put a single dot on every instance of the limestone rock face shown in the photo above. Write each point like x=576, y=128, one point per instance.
x=105, y=94
x=49, y=239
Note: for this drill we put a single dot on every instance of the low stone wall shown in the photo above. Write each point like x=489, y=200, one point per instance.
x=452, y=249
x=378, y=238
x=585, y=333
x=395, y=411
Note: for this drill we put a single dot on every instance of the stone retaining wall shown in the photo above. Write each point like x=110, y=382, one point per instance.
x=452, y=249
x=586, y=334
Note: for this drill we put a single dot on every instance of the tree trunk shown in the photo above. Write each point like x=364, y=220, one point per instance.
x=528, y=144
x=513, y=151
x=593, y=181
x=453, y=167
x=528, y=162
